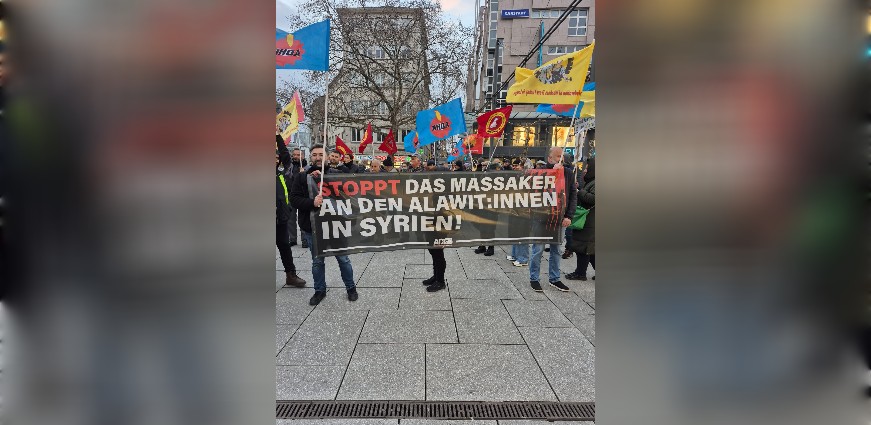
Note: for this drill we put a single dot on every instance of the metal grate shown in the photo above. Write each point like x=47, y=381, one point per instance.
x=436, y=410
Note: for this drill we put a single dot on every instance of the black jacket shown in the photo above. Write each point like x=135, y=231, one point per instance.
x=291, y=167
x=302, y=199
x=352, y=168
x=282, y=207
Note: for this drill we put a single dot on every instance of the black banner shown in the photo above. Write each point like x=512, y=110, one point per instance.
x=392, y=211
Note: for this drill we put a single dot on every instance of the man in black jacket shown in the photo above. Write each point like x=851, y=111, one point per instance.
x=554, y=161
x=302, y=197
x=335, y=162
x=283, y=214
x=297, y=165
x=349, y=164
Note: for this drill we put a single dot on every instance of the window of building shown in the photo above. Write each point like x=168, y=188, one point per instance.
x=376, y=52
x=523, y=136
x=494, y=14
x=561, y=50
x=558, y=137
x=546, y=13
x=578, y=23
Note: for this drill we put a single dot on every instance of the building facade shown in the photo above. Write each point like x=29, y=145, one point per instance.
x=506, y=32
x=383, y=79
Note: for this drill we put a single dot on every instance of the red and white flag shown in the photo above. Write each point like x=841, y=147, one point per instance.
x=491, y=124
x=389, y=144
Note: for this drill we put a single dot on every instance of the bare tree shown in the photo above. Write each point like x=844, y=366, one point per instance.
x=388, y=59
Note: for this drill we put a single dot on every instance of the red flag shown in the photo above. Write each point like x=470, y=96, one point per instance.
x=491, y=124
x=389, y=144
x=367, y=138
x=476, y=143
x=343, y=148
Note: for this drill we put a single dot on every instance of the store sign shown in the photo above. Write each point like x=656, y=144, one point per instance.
x=515, y=13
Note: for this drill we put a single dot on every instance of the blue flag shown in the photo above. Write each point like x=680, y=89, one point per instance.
x=440, y=122
x=410, y=141
x=307, y=48
x=458, y=152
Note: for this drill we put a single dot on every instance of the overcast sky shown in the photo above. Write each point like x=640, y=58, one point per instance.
x=462, y=10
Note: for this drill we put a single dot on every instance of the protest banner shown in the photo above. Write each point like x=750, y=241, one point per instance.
x=386, y=212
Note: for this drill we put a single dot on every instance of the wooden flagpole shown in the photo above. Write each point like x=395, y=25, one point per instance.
x=323, y=168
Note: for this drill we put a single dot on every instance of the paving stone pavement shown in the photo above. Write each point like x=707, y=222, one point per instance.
x=487, y=337
x=417, y=422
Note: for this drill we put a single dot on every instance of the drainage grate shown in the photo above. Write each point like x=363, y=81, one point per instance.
x=436, y=410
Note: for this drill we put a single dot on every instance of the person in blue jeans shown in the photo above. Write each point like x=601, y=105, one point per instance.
x=519, y=255
x=554, y=161
x=520, y=252
x=305, y=185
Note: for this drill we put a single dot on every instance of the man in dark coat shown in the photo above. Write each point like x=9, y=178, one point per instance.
x=304, y=197
x=290, y=165
x=349, y=164
x=554, y=161
x=583, y=241
x=283, y=214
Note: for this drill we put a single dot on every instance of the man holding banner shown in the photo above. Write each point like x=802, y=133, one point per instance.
x=304, y=197
x=554, y=161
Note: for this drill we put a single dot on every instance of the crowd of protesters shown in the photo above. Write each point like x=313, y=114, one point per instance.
x=297, y=196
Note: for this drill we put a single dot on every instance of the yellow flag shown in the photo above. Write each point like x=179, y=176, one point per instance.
x=559, y=81
x=289, y=118
x=588, y=109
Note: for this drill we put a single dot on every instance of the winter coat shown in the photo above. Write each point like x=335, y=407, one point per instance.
x=302, y=198
x=583, y=241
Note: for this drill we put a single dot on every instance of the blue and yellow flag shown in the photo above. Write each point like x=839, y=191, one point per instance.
x=559, y=81
x=587, y=104
x=307, y=48
x=440, y=122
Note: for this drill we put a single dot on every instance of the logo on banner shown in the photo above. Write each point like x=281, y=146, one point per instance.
x=440, y=125
x=495, y=124
x=288, y=51
x=443, y=242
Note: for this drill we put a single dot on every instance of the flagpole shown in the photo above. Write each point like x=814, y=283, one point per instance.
x=323, y=168
x=572, y=126
x=492, y=149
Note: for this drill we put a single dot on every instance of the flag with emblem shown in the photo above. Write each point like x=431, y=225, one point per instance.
x=306, y=48
x=559, y=81
x=491, y=124
x=410, y=142
x=343, y=148
x=288, y=120
x=367, y=139
x=389, y=143
x=458, y=151
x=440, y=122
